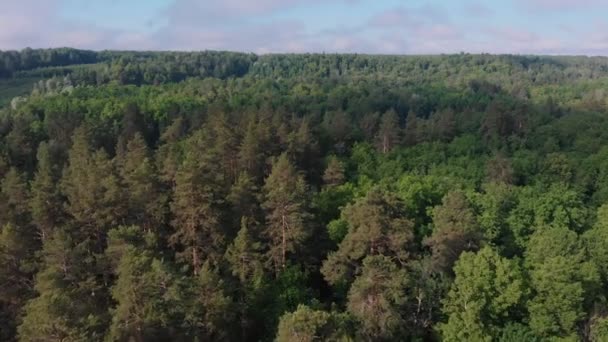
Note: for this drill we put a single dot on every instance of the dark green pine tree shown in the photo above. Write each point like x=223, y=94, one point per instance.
x=307, y=325
x=148, y=291
x=197, y=206
x=376, y=298
x=146, y=202
x=46, y=200
x=412, y=129
x=17, y=266
x=244, y=202
x=19, y=243
x=455, y=230
x=304, y=148
x=95, y=198
x=378, y=225
x=71, y=304
x=245, y=259
x=226, y=143
x=251, y=153
x=286, y=209
x=14, y=197
x=211, y=309
x=334, y=172
x=169, y=154
x=389, y=132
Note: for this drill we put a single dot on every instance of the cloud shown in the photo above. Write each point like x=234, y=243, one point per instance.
x=561, y=5
x=280, y=26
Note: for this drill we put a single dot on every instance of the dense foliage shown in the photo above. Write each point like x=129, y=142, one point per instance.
x=220, y=196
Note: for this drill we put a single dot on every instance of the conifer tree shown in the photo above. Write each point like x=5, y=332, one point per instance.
x=196, y=207
x=14, y=197
x=286, y=208
x=389, y=134
x=455, y=230
x=411, y=133
x=146, y=203
x=17, y=266
x=71, y=304
x=251, y=152
x=211, y=310
x=245, y=255
x=308, y=325
x=226, y=143
x=378, y=225
x=95, y=199
x=245, y=258
x=244, y=201
x=169, y=154
x=46, y=200
x=334, y=172
x=147, y=290
x=376, y=297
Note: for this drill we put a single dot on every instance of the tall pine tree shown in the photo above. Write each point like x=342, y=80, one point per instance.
x=286, y=208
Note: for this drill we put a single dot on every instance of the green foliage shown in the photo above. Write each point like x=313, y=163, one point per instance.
x=286, y=208
x=375, y=297
x=227, y=196
x=70, y=303
x=307, y=325
x=455, y=230
x=561, y=279
x=147, y=291
x=488, y=290
x=377, y=225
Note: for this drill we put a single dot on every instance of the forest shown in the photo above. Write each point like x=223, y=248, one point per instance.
x=223, y=196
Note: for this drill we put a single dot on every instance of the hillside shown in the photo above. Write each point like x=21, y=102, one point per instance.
x=223, y=196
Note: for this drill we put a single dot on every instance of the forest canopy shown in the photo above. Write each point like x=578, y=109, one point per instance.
x=221, y=196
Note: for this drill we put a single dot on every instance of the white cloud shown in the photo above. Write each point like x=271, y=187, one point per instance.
x=258, y=26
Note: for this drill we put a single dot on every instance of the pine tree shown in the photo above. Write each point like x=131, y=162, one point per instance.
x=196, y=207
x=369, y=125
x=211, y=309
x=169, y=154
x=304, y=148
x=14, y=197
x=147, y=291
x=412, y=129
x=376, y=297
x=226, y=143
x=389, y=134
x=46, y=200
x=251, y=153
x=455, y=230
x=19, y=243
x=334, y=172
x=146, y=203
x=308, y=325
x=286, y=208
x=245, y=258
x=95, y=199
x=17, y=266
x=245, y=255
x=378, y=225
x=244, y=201
x=71, y=303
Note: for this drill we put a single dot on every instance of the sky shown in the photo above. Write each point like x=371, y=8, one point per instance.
x=571, y=27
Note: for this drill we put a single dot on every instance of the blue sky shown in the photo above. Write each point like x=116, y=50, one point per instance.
x=263, y=26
